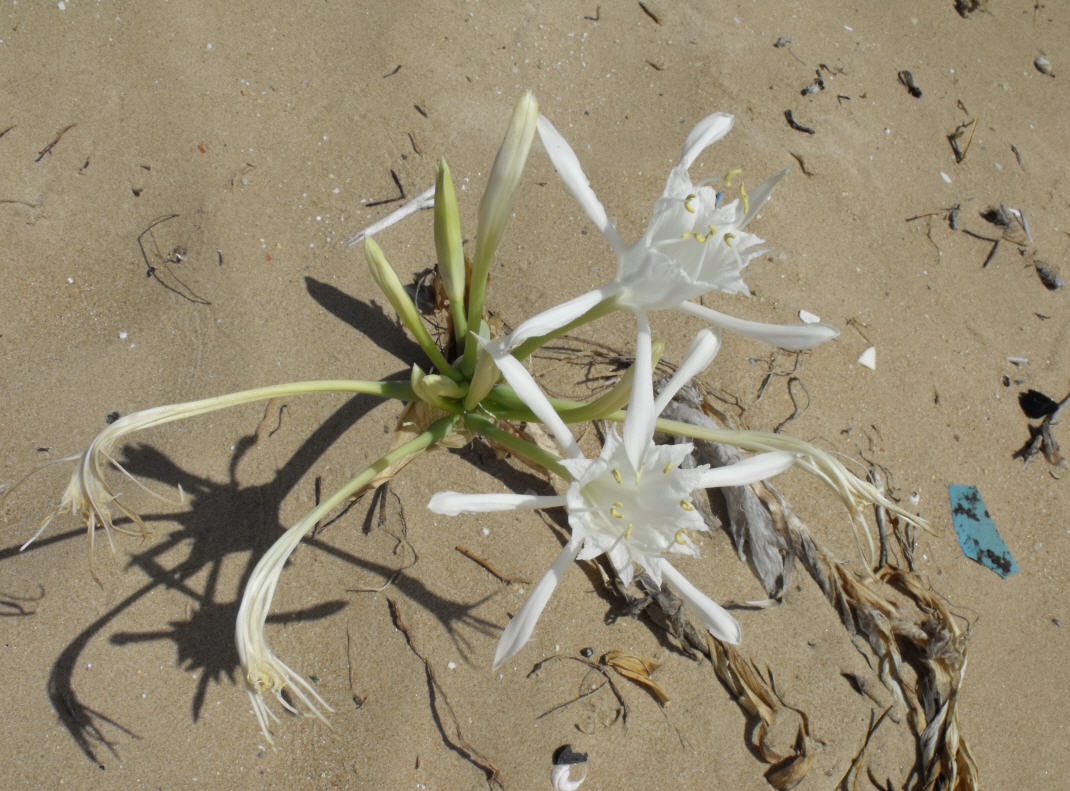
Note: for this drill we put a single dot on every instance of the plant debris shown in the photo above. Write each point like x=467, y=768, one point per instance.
x=456, y=740
x=638, y=669
x=1041, y=439
x=917, y=646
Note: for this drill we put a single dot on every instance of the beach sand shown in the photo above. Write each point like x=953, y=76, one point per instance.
x=178, y=182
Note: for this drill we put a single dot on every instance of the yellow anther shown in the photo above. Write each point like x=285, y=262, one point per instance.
x=687, y=202
x=628, y=531
x=686, y=505
x=681, y=536
x=668, y=468
x=615, y=513
x=699, y=237
x=728, y=237
x=616, y=476
x=731, y=175
x=618, y=505
x=743, y=197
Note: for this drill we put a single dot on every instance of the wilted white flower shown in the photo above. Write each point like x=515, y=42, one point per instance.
x=631, y=503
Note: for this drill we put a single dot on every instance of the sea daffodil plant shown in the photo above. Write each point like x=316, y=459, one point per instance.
x=631, y=502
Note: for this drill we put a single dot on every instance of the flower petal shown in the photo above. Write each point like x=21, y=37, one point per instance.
x=639, y=422
x=531, y=394
x=454, y=503
x=713, y=616
x=571, y=172
x=701, y=353
x=706, y=132
x=761, y=195
x=523, y=624
x=750, y=470
x=787, y=336
x=558, y=316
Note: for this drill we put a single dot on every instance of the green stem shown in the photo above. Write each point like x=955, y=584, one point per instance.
x=516, y=445
x=158, y=416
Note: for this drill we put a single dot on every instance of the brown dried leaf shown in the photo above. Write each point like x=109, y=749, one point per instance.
x=637, y=669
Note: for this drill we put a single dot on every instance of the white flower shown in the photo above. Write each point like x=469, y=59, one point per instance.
x=631, y=503
x=693, y=244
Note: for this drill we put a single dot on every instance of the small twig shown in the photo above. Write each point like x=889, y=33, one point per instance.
x=48, y=149
x=593, y=666
x=796, y=125
x=649, y=13
x=802, y=163
x=400, y=196
x=796, y=412
x=487, y=565
x=457, y=743
x=358, y=701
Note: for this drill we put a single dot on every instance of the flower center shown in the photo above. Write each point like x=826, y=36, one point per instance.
x=646, y=513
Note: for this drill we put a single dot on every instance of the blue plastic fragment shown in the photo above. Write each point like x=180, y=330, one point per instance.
x=977, y=532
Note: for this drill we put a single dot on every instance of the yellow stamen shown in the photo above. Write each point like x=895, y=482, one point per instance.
x=728, y=237
x=616, y=476
x=743, y=197
x=628, y=531
x=668, y=468
x=687, y=202
x=731, y=175
x=699, y=237
x=615, y=513
x=686, y=505
x=681, y=536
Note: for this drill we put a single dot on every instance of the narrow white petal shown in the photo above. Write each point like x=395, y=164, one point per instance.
x=639, y=422
x=750, y=470
x=703, y=349
x=454, y=503
x=706, y=132
x=558, y=316
x=425, y=200
x=568, y=167
x=523, y=624
x=759, y=196
x=713, y=616
x=787, y=336
x=529, y=392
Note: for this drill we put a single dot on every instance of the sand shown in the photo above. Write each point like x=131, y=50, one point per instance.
x=255, y=135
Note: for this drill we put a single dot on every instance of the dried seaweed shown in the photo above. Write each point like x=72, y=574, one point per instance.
x=919, y=635
x=917, y=646
x=762, y=704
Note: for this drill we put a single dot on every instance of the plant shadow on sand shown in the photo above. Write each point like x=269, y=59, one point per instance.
x=219, y=520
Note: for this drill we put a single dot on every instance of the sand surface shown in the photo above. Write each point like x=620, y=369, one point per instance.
x=254, y=135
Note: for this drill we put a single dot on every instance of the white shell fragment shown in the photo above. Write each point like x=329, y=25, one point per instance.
x=1018, y=360
x=1042, y=64
x=561, y=775
x=868, y=358
x=808, y=318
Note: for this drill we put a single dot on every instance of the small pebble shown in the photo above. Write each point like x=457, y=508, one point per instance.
x=1043, y=65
